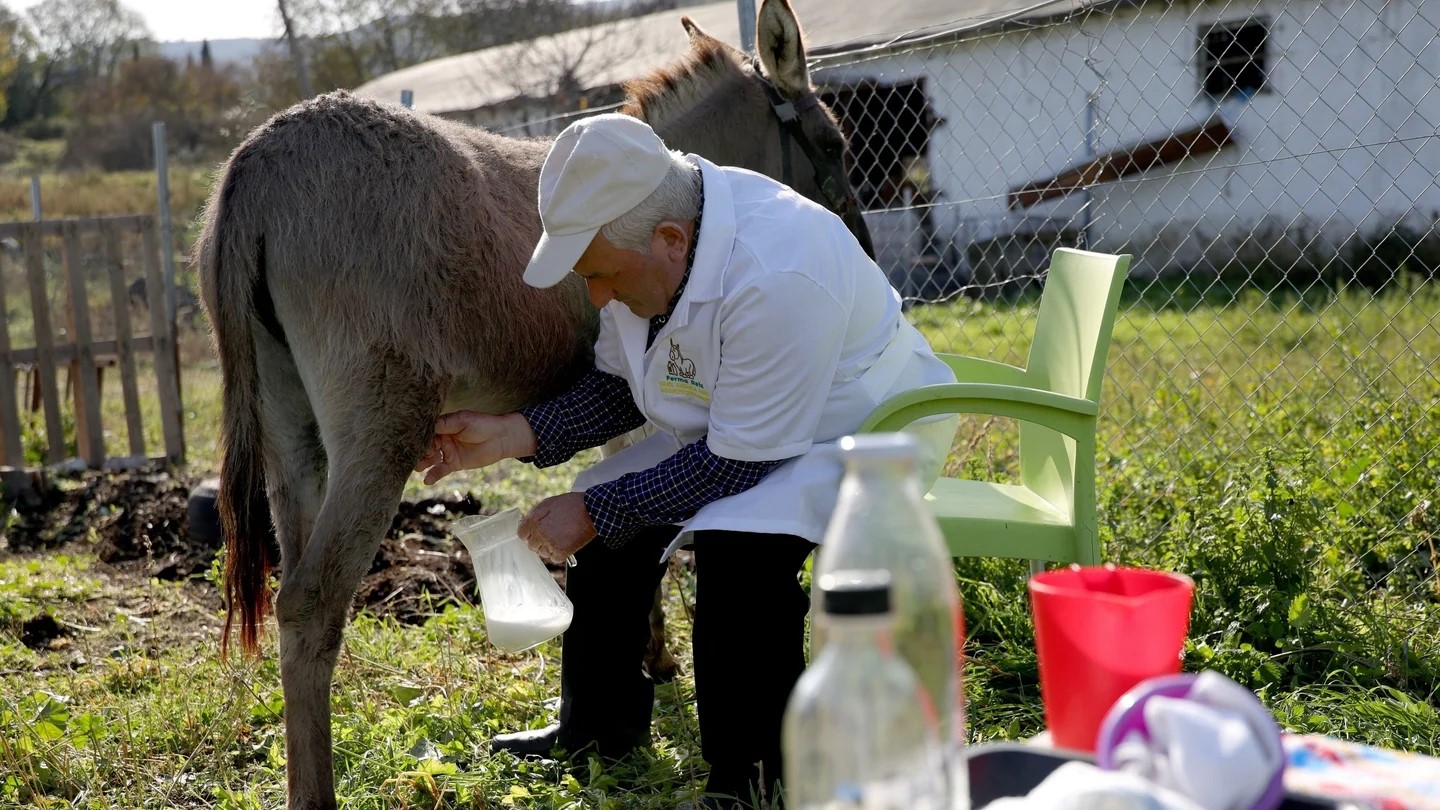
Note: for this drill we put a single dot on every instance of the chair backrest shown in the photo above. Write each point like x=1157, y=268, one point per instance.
x=1067, y=356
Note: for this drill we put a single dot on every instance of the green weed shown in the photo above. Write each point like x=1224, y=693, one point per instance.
x=1279, y=449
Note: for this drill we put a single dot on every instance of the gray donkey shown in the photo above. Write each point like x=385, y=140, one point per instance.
x=361, y=266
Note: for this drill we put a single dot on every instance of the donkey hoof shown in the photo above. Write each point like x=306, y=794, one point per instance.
x=662, y=668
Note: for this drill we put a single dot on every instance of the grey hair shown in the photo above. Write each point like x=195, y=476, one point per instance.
x=677, y=197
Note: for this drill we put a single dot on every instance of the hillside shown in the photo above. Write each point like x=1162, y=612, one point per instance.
x=225, y=51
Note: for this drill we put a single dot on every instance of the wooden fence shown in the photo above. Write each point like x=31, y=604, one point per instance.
x=78, y=351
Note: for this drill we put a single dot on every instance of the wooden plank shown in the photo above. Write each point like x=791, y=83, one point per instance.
x=9, y=411
x=89, y=431
x=124, y=349
x=44, y=341
x=164, y=351
x=104, y=350
x=1124, y=162
x=56, y=227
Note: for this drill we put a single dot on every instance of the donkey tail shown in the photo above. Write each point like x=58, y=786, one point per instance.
x=231, y=255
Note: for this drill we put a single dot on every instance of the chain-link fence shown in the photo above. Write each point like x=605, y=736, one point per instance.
x=1274, y=167
x=1272, y=398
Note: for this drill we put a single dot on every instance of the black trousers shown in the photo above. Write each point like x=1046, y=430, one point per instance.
x=748, y=641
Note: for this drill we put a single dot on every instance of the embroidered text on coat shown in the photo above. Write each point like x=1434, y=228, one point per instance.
x=680, y=376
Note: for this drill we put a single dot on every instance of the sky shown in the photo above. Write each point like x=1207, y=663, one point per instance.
x=201, y=19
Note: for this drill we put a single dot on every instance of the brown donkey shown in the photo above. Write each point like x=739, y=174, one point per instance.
x=361, y=265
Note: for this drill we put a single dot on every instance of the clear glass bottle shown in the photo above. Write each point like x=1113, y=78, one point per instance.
x=881, y=522
x=859, y=732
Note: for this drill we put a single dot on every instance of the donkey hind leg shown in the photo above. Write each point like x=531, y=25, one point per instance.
x=294, y=456
x=658, y=661
x=373, y=433
x=295, y=486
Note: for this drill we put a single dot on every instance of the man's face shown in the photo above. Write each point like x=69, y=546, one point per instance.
x=644, y=282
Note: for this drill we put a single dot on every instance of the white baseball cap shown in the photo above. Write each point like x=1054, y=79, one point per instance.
x=599, y=168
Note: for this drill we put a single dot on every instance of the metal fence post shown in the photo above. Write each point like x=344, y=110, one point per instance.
x=746, y=9
x=1088, y=215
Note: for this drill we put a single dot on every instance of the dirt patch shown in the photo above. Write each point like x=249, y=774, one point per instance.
x=138, y=523
x=147, y=523
x=420, y=566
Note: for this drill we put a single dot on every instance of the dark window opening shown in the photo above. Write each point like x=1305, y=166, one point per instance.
x=888, y=126
x=1234, y=58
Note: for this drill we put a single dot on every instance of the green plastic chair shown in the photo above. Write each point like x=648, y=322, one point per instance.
x=1050, y=514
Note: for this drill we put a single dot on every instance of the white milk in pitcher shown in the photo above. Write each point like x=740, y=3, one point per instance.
x=524, y=626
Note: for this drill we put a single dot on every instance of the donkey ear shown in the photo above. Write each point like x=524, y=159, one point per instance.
x=693, y=30
x=781, y=47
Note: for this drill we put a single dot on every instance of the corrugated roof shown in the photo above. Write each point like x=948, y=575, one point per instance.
x=617, y=52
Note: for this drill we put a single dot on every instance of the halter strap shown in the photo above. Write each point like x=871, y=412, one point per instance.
x=839, y=199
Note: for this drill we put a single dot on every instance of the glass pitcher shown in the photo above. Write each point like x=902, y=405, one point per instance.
x=523, y=606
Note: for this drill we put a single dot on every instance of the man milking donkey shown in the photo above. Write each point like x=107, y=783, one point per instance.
x=747, y=326
x=342, y=345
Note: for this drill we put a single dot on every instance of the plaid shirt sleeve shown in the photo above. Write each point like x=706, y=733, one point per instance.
x=670, y=492
x=596, y=409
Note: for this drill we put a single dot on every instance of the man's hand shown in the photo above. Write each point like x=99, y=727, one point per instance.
x=466, y=440
x=558, y=527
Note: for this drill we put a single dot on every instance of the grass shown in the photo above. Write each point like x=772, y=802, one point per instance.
x=96, y=193
x=1280, y=449
x=28, y=156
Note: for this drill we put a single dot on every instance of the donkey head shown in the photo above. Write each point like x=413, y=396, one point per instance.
x=804, y=119
x=761, y=114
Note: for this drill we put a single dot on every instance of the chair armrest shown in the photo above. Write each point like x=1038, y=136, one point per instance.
x=1068, y=415
x=977, y=370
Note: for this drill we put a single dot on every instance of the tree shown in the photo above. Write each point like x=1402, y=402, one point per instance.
x=58, y=47
x=274, y=84
x=297, y=53
x=111, y=115
x=471, y=25
x=31, y=89
x=379, y=36
x=551, y=73
x=345, y=43
x=349, y=42
x=89, y=37
x=10, y=33
x=203, y=109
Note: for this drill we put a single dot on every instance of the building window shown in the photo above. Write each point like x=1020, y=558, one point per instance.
x=1234, y=58
x=889, y=128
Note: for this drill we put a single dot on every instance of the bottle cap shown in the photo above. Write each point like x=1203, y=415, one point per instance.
x=868, y=446
x=856, y=593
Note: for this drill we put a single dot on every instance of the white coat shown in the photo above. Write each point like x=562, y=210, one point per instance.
x=784, y=339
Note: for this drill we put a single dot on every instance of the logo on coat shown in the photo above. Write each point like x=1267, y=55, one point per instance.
x=680, y=376
x=679, y=365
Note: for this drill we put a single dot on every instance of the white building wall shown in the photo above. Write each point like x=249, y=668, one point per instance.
x=1343, y=137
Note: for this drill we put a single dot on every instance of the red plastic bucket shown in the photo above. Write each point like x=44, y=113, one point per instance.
x=1099, y=632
